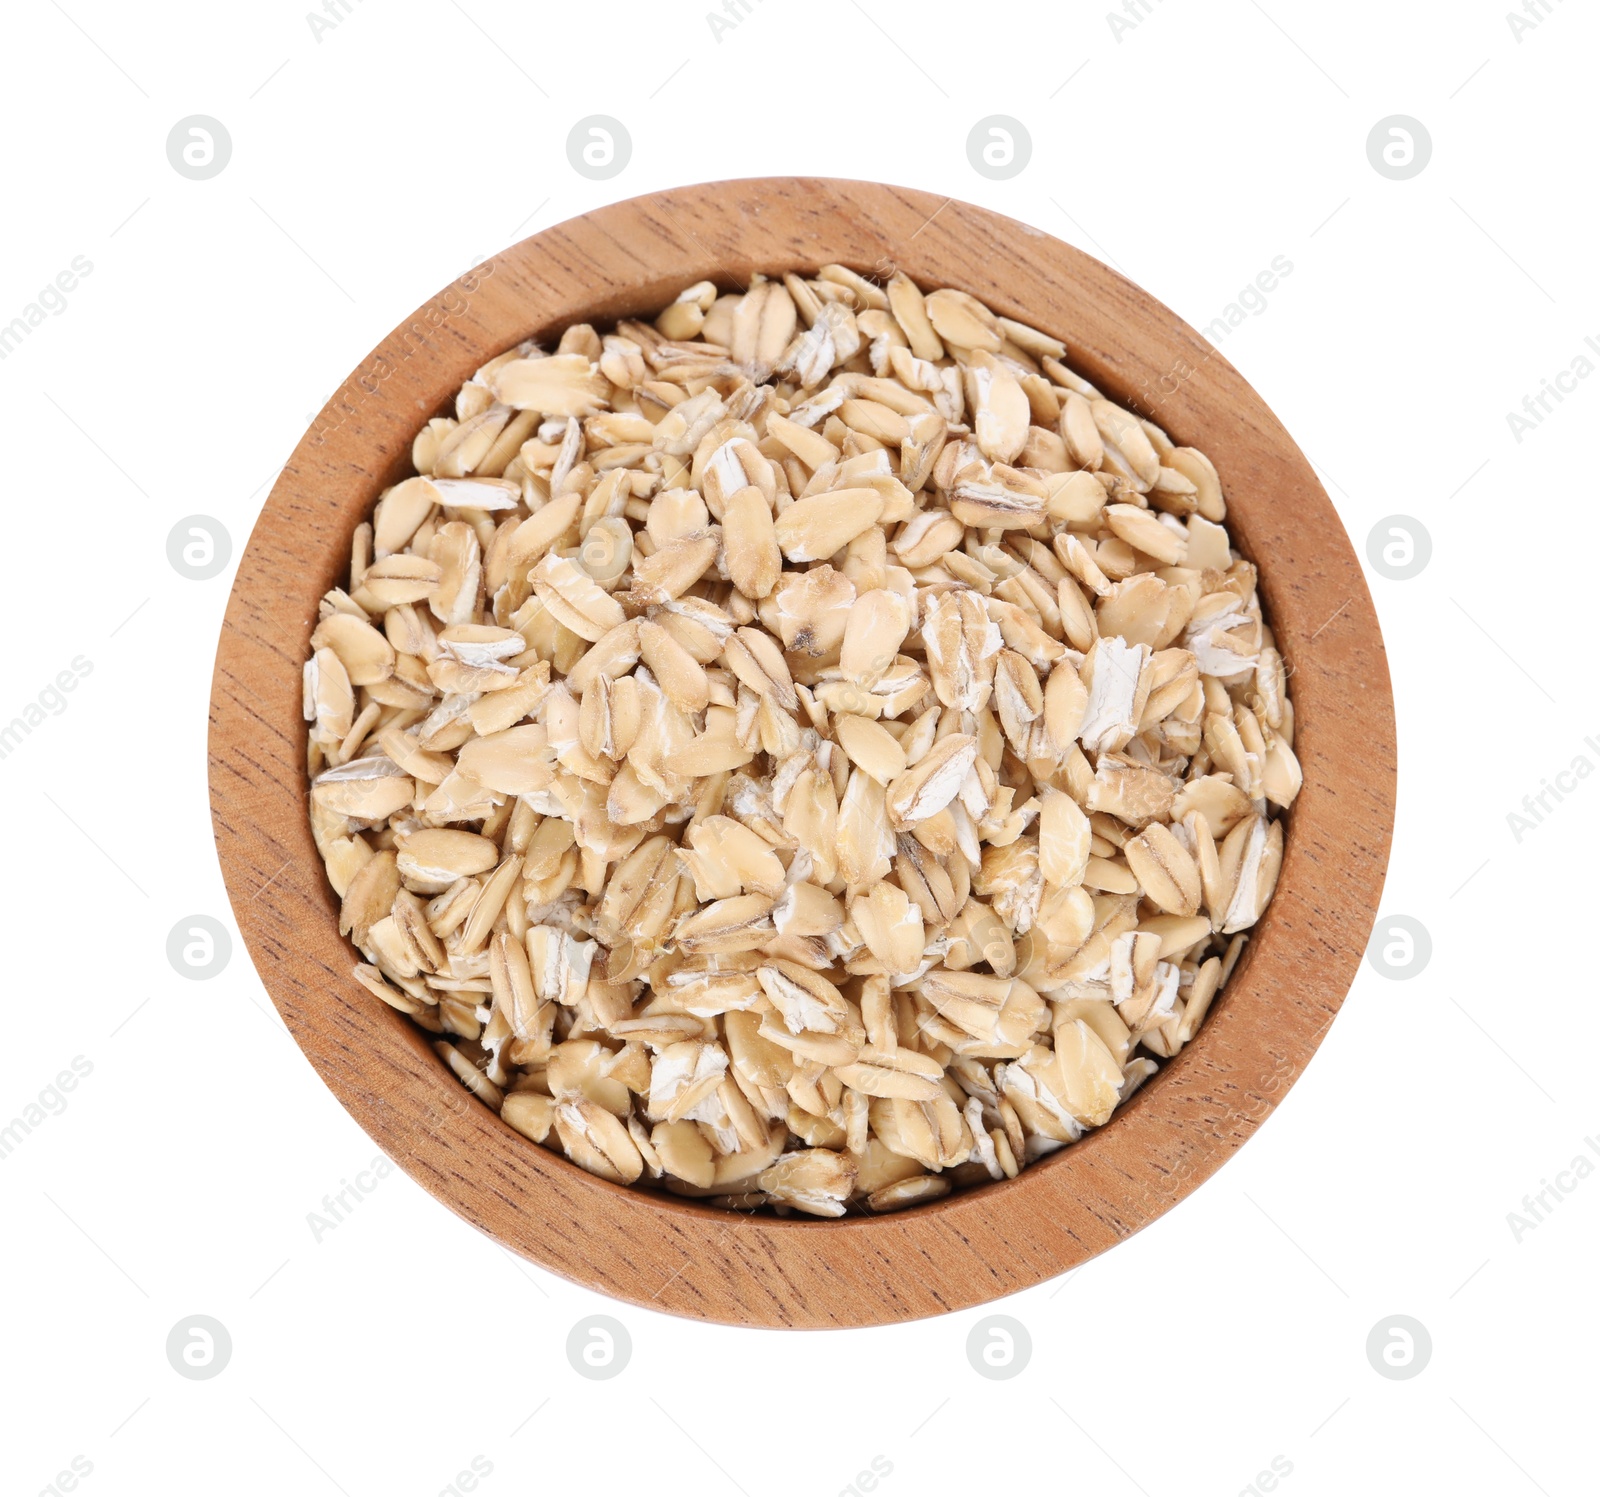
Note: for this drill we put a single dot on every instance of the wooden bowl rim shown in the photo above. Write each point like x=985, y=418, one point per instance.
x=656, y=1250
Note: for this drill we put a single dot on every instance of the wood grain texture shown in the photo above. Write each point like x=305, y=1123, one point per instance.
x=674, y=1255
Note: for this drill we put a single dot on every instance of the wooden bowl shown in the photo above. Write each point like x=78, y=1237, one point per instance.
x=678, y=1256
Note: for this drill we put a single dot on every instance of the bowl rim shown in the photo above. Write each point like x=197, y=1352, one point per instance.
x=664, y=1252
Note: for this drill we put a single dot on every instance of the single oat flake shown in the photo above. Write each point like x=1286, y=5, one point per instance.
x=811, y=752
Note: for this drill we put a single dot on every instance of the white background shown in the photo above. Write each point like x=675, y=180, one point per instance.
x=372, y=166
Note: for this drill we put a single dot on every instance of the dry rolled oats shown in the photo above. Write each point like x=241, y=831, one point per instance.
x=811, y=751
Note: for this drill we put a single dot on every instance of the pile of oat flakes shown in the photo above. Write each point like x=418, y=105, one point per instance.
x=811, y=751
